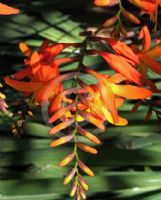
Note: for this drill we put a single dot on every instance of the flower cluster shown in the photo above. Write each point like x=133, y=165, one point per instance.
x=149, y=7
x=94, y=103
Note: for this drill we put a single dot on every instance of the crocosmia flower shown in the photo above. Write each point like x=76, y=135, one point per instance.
x=40, y=68
x=146, y=54
x=108, y=90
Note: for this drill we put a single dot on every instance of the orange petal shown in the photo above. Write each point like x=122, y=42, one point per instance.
x=7, y=10
x=61, y=126
x=120, y=48
x=119, y=101
x=131, y=92
x=147, y=6
x=53, y=86
x=155, y=52
x=108, y=98
x=61, y=140
x=118, y=64
x=117, y=78
x=21, y=74
x=23, y=86
x=44, y=93
x=35, y=62
x=56, y=49
x=55, y=104
x=105, y=91
x=145, y=35
x=60, y=61
x=151, y=63
x=121, y=122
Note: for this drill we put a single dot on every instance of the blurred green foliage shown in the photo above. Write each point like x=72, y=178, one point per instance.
x=128, y=166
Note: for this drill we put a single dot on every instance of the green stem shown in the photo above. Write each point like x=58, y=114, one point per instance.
x=119, y=12
x=76, y=85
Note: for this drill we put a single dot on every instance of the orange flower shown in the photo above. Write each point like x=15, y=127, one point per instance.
x=7, y=10
x=61, y=140
x=146, y=55
x=67, y=159
x=108, y=88
x=98, y=112
x=86, y=169
x=69, y=176
x=41, y=69
x=87, y=148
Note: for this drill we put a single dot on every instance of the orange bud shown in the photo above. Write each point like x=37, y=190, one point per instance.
x=61, y=126
x=30, y=114
x=144, y=34
x=123, y=30
x=25, y=49
x=2, y=96
x=82, y=193
x=88, y=135
x=73, y=190
x=67, y=159
x=82, y=182
x=61, y=141
x=86, y=169
x=69, y=177
x=60, y=113
x=87, y=148
x=148, y=114
x=130, y=16
x=111, y=21
x=88, y=116
x=78, y=197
